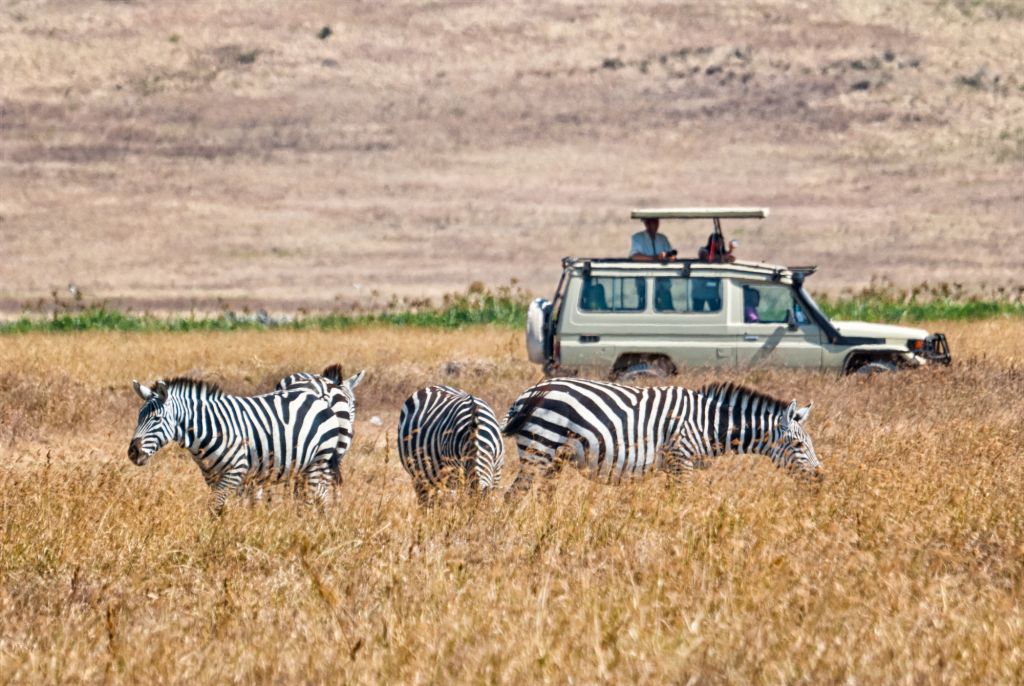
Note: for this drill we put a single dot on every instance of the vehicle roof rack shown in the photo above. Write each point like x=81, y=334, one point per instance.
x=700, y=213
x=590, y=264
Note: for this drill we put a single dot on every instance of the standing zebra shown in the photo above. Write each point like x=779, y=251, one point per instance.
x=445, y=435
x=613, y=431
x=340, y=395
x=238, y=441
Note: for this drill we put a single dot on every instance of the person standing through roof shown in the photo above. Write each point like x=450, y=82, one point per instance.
x=715, y=250
x=649, y=245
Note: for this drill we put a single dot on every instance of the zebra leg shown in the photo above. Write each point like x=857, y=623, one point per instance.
x=217, y=500
x=251, y=492
x=315, y=485
x=334, y=465
x=228, y=483
x=424, y=492
x=678, y=459
x=317, y=491
x=531, y=463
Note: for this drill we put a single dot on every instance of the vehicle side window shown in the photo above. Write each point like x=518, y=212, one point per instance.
x=613, y=294
x=679, y=294
x=768, y=304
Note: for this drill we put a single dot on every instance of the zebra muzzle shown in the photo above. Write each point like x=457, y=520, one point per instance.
x=135, y=453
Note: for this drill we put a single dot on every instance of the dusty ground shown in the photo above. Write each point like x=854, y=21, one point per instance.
x=905, y=566
x=164, y=154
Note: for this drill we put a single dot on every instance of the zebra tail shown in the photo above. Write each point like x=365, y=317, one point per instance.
x=520, y=411
x=474, y=419
x=333, y=374
x=334, y=467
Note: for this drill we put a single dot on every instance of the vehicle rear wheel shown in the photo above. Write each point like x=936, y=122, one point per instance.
x=647, y=369
x=876, y=367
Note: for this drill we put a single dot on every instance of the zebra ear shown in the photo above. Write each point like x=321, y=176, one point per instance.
x=801, y=415
x=140, y=390
x=160, y=389
x=354, y=380
x=789, y=415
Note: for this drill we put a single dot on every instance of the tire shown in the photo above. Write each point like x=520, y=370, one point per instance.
x=875, y=367
x=552, y=371
x=652, y=369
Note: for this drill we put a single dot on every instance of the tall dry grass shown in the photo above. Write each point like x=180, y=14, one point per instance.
x=905, y=566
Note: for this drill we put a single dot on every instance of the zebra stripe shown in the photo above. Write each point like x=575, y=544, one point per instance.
x=446, y=435
x=239, y=441
x=613, y=431
x=340, y=395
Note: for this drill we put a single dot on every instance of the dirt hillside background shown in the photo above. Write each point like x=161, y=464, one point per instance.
x=164, y=154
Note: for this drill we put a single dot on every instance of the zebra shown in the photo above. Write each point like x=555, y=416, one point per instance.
x=445, y=435
x=340, y=395
x=239, y=441
x=614, y=431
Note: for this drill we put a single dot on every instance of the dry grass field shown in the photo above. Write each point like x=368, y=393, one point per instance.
x=164, y=154
x=905, y=566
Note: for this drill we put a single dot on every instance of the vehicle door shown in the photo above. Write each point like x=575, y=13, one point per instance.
x=688, y=322
x=600, y=315
x=772, y=329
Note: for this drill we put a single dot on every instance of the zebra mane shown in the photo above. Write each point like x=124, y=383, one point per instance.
x=334, y=374
x=729, y=388
x=187, y=384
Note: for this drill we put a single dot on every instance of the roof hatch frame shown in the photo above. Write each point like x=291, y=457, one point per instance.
x=715, y=214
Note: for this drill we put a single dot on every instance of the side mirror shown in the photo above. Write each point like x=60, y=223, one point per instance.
x=791, y=321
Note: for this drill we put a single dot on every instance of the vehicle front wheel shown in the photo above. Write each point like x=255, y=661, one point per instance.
x=876, y=367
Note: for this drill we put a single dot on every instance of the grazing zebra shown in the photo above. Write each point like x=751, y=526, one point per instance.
x=613, y=431
x=340, y=395
x=239, y=441
x=446, y=435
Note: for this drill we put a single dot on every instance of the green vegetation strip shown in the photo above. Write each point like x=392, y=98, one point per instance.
x=894, y=310
x=475, y=308
x=458, y=311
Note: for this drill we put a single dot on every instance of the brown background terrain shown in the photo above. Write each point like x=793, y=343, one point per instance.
x=160, y=154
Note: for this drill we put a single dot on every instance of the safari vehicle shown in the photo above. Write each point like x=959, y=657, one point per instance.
x=632, y=318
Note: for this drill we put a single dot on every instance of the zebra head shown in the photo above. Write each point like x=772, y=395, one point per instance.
x=156, y=425
x=791, y=445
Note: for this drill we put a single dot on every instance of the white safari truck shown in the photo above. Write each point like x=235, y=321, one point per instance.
x=629, y=319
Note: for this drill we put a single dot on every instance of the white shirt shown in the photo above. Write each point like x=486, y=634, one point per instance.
x=641, y=244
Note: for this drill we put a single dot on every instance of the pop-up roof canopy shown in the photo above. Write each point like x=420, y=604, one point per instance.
x=701, y=213
x=716, y=214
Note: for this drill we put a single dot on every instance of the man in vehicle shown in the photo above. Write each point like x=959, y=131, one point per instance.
x=650, y=246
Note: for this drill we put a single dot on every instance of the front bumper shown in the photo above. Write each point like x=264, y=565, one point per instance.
x=936, y=349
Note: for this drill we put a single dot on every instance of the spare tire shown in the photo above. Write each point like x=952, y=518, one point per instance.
x=536, y=319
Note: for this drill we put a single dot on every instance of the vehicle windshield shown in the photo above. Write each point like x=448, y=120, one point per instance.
x=809, y=300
